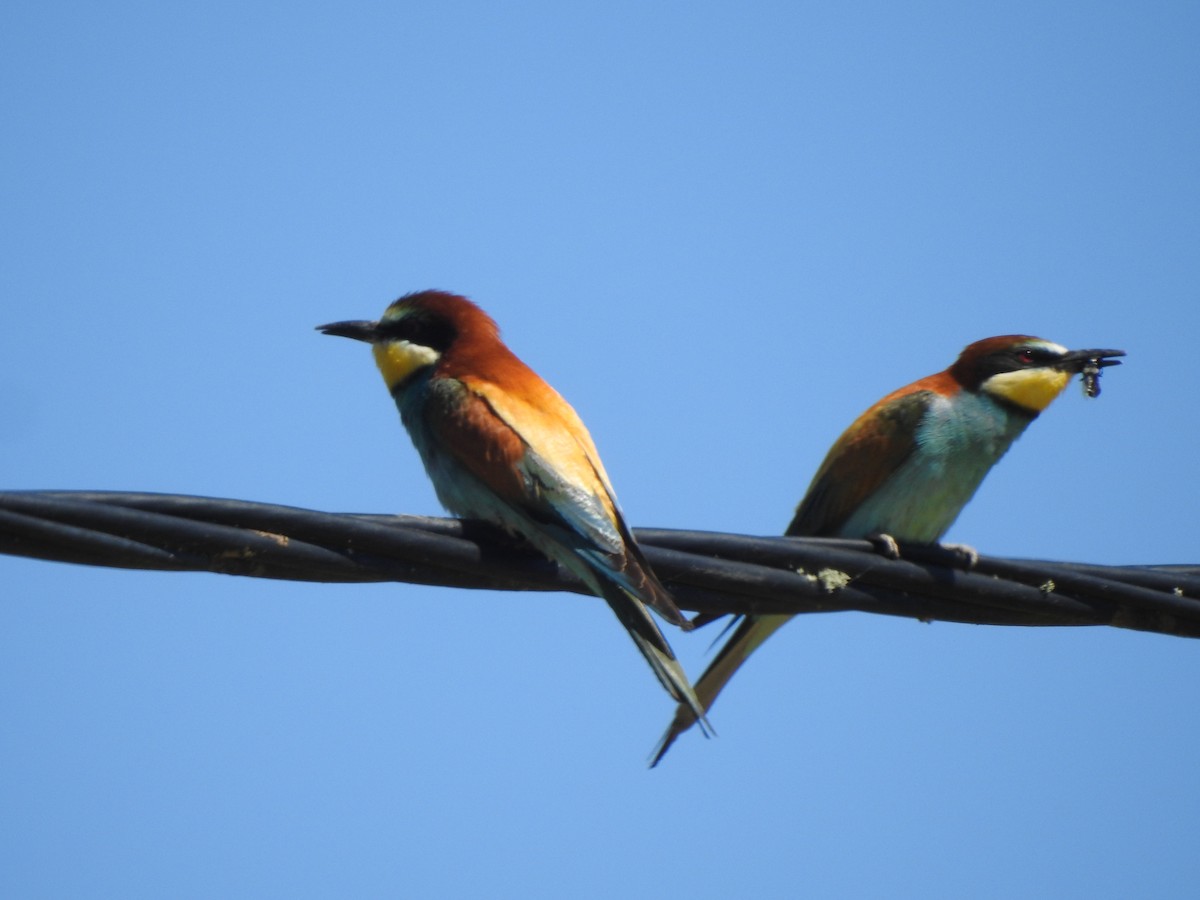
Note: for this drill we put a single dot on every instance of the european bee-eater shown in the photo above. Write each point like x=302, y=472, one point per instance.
x=908, y=465
x=501, y=445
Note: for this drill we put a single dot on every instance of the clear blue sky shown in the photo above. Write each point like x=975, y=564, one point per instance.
x=721, y=230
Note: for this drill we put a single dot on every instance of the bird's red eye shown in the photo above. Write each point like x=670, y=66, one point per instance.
x=1026, y=356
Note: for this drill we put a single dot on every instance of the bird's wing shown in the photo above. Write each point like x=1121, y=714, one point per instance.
x=551, y=469
x=867, y=453
x=567, y=476
x=540, y=461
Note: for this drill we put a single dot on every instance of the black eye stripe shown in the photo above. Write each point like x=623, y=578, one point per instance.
x=1015, y=359
x=435, y=333
x=1036, y=356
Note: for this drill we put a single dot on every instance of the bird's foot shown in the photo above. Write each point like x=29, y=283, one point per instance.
x=885, y=545
x=965, y=555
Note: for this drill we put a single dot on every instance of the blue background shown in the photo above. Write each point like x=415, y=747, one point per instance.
x=720, y=230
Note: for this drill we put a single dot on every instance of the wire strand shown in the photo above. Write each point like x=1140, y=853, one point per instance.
x=709, y=573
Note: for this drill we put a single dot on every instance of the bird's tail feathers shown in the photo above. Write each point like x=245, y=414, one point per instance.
x=672, y=677
x=649, y=639
x=748, y=637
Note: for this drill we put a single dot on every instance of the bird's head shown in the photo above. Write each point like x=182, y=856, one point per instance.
x=416, y=331
x=1027, y=372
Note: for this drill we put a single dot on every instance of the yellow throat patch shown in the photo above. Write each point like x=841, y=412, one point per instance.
x=397, y=360
x=1031, y=389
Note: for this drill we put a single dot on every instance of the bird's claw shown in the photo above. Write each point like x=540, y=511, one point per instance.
x=885, y=545
x=965, y=555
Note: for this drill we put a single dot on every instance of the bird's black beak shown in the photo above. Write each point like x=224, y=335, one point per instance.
x=1088, y=363
x=1077, y=360
x=359, y=330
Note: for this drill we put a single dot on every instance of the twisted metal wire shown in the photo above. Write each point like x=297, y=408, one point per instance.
x=710, y=573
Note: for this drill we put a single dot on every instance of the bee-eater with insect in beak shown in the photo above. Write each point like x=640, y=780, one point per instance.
x=502, y=446
x=908, y=465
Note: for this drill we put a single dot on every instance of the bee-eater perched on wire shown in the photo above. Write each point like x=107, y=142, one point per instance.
x=501, y=445
x=908, y=465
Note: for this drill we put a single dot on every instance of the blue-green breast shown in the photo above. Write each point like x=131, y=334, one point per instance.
x=956, y=443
